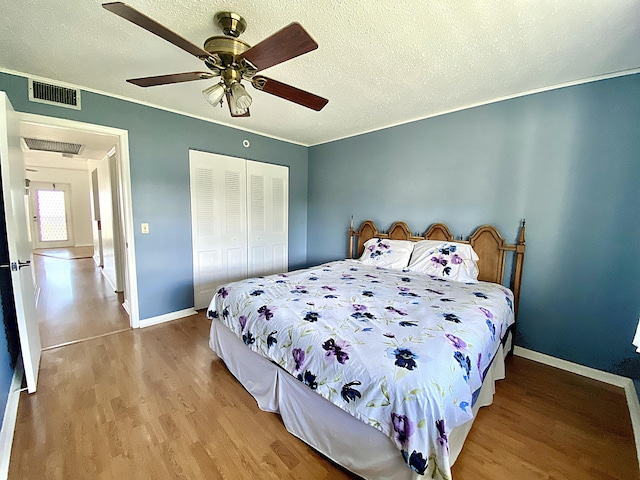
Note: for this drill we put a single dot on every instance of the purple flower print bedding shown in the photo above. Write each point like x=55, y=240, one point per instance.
x=403, y=352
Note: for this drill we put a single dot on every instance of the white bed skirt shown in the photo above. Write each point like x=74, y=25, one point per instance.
x=356, y=446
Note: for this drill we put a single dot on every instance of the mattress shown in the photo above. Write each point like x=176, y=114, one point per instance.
x=403, y=353
x=347, y=441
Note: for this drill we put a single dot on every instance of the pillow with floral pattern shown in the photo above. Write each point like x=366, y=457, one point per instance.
x=385, y=253
x=447, y=260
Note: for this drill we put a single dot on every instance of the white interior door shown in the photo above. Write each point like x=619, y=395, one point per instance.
x=268, y=206
x=96, y=220
x=20, y=253
x=218, y=219
x=118, y=226
x=51, y=211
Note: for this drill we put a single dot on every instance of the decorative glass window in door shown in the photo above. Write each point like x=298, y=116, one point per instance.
x=52, y=215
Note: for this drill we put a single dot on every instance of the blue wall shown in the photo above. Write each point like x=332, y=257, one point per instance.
x=159, y=144
x=567, y=160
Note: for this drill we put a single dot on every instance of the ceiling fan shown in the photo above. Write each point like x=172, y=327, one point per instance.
x=232, y=59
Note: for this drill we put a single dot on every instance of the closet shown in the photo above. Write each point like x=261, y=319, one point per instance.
x=239, y=220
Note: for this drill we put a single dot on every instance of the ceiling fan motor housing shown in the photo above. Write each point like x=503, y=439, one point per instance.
x=225, y=52
x=227, y=48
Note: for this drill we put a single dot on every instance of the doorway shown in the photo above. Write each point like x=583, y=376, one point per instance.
x=75, y=299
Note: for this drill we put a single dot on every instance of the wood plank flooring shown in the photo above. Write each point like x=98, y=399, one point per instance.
x=157, y=403
x=546, y=423
x=75, y=300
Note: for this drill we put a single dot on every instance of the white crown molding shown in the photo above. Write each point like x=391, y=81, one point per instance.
x=605, y=76
x=146, y=104
x=597, y=78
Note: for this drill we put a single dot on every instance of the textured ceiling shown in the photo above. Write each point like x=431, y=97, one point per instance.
x=380, y=62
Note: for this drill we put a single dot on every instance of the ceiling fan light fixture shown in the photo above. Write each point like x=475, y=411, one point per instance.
x=239, y=96
x=214, y=93
x=231, y=59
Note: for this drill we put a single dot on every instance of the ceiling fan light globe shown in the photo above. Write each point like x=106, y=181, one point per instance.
x=240, y=113
x=244, y=102
x=214, y=94
x=240, y=96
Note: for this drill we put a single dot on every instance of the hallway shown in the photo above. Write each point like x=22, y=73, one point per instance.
x=75, y=302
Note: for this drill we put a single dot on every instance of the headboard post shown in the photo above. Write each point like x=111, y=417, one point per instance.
x=366, y=231
x=517, y=271
x=352, y=233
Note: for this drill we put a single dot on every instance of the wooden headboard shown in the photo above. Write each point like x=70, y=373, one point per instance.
x=486, y=241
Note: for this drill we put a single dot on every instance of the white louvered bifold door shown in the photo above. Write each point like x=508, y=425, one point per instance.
x=219, y=225
x=267, y=208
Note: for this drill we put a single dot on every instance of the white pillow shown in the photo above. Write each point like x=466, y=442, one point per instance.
x=447, y=260
x=385, y=253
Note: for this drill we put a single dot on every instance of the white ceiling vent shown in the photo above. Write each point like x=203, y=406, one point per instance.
x=52, y=146
x=54, y=94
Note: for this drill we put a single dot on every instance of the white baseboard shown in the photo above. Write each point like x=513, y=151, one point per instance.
x=619, y=381
x=9, y=421
x=634, y=411
x=109, y=280
x=588, y=372
x=167, y=317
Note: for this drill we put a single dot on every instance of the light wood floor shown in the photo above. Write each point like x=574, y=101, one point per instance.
x=157, y=403
x=75, y=300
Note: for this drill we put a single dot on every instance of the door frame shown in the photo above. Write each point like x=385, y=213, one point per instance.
x=96, y=221
x=124, y=178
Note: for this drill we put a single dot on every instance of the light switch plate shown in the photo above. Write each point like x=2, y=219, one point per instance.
x=144, y=227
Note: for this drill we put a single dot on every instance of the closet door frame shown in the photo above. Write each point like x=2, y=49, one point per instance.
x=221, y=196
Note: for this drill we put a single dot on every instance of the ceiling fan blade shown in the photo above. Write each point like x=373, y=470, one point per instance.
x=234, y=112
x=285, y=44
x=134, y=16
x=171, y=78
x=290, y=93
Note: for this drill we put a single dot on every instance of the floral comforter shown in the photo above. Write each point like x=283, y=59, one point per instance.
x=401, y=351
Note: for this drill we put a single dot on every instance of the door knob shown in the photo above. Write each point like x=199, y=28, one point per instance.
x=15, y=266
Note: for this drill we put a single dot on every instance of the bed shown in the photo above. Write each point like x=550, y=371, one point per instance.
x=379, y=361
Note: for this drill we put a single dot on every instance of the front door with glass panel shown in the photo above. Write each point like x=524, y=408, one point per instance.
x=51, y=215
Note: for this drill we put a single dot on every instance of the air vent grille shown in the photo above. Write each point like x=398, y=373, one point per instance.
x=54, y=94
x=52, y=146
